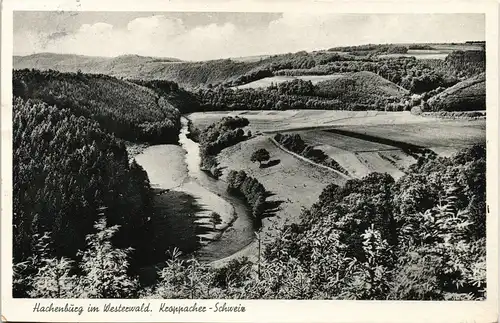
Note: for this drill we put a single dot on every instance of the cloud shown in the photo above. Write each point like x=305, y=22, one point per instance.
x=159, y=35
x=97, y=28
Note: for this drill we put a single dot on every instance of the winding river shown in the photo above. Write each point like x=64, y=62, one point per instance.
x=177, y=168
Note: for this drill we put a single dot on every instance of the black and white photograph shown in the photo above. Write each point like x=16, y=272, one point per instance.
x=213, y=155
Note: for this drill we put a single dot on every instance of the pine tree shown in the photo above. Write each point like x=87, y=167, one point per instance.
x=105, y=267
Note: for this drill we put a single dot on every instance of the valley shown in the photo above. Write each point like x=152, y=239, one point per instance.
x=369, y=141
x=255, y=172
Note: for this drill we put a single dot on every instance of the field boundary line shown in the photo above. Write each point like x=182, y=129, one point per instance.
x=322, y=126
x=346, y=177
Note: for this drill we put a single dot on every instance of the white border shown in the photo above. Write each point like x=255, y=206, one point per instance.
x=262, y=311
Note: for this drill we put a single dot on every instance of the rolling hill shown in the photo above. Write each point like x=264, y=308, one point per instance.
x=274, y=80
x=365, y=87
x=128, y=110
x=187, y=74
x=241, y=70
x=233, y=72
x=468, y=95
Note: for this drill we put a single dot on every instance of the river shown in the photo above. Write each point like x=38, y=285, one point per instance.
x=177, y=168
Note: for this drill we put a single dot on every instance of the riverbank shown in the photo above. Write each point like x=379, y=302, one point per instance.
x=134, y=149
x=175, y=170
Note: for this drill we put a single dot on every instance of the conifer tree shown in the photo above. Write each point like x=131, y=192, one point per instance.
x=105, y=267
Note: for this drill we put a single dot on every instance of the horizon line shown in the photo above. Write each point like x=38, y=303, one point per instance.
x=254, y=55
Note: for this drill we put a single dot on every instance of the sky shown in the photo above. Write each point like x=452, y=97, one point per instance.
x=204, y=36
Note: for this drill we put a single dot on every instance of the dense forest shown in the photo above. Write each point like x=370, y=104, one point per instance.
x=419, y=238
x=180, y=98
x=125, y=109
x=67, y=171
x=371, y=49
x=357, y=88
x=460, y=64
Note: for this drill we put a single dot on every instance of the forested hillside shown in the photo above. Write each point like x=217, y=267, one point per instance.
x=125, y=109
x=348, y=91
x=187, y=74
x=468, y=95
x=363, y=87
x=67, y=171
x=180, y=98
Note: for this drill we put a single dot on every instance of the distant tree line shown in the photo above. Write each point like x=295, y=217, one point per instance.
x=296, y=144
x=414, y=75
x=372, y=49
x=420, y=47
x=251, y=76
x=300, y=60
x=226, y=99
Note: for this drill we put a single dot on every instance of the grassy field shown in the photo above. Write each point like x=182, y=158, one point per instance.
x=267, y=81
x=292, y=182
x=446, y=133
x=422, y=54
x=274, y=121
x=361, y=86
x=361, y=156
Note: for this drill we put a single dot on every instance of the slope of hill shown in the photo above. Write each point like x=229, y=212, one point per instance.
x=66, y=172
x=343, y=91
x=468, y=95
x=365, y=87
x=120, y=66
x=128, y=110
x=187, y=74
x=274, y=80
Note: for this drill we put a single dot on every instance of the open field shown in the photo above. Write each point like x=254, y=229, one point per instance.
x=293, y=183
x=370, y=141
x=446, y=133
x=401, y=126
x=275, y=121
x=267, y=81
x=254, y=58
x=422, y=54
x=359, y=157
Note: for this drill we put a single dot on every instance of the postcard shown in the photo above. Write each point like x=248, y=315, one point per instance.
x=249, y=161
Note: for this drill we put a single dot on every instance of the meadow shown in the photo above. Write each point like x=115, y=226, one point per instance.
x=276, y=121
x=291, y=182
x=268, y=81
